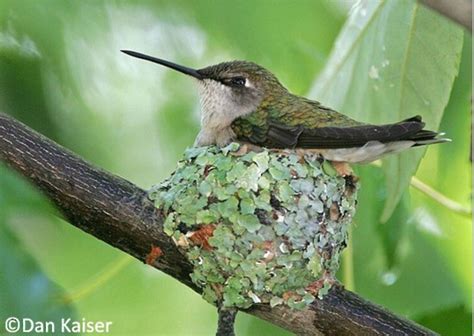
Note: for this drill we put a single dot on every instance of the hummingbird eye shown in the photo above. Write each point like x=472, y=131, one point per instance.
x=236, y=81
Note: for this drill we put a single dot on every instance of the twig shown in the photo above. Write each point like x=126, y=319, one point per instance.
x=440, y=198
x=435, y=195
x=98, y=280
x=120, y=214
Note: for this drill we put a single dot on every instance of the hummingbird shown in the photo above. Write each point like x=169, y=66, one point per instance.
x=244, y=102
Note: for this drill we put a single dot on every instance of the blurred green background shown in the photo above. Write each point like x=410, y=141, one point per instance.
x=62, y=74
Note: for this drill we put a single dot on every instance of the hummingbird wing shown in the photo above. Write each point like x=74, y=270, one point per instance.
x=330, y=137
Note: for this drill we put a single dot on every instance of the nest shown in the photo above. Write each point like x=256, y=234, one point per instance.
x=265, y=227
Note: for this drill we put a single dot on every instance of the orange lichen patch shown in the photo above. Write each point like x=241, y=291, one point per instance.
x=266, y=245
x=315, y=286
x=154, y=254
x=342, y=168
x=269, y=249
x=334, y=213
x=201, y=236
x=245, y=148
x=287, y=295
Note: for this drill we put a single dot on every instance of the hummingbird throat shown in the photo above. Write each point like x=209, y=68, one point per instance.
x=221, y=105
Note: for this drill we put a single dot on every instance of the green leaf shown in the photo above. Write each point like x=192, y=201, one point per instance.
x=249, y=179
x=448, y=169
x=228, y=207
x=261, y=159
x=286, y=193
x=279, y=172
x=416, y=261
x=394, y=233
x=451, y=321
x=232, y=147
x=170, y=224
x=25, y=291
x=205, y=188
x=275, y=301
x=247, y=206
x=206, y=217
x=328, y=168
x=392, y=60
x=250, y=222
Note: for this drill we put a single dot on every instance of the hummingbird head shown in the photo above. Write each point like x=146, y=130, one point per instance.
x=234, y=89
x=228, y=90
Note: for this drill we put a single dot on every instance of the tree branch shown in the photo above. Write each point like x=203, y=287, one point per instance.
x=460, y=11
x=120, y=214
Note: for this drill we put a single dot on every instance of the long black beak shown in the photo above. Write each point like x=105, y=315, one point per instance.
x=174, y=66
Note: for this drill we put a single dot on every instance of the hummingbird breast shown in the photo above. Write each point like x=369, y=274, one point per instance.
x=221, y=105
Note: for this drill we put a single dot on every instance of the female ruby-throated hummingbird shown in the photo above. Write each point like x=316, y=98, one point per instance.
x=242, y=101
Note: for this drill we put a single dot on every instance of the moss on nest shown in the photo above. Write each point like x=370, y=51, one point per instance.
x=260, y=227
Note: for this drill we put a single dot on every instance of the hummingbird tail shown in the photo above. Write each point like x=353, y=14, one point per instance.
x=333, y=137
x=431, y=141
x=426, y=137
x=362, y=144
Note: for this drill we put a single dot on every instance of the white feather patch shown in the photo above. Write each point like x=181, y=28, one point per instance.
x=371, y=151
x=220, y=107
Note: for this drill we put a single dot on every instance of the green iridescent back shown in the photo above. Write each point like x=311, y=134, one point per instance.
x=288, y=110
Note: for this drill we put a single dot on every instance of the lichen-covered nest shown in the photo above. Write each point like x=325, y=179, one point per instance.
x=258, y=227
